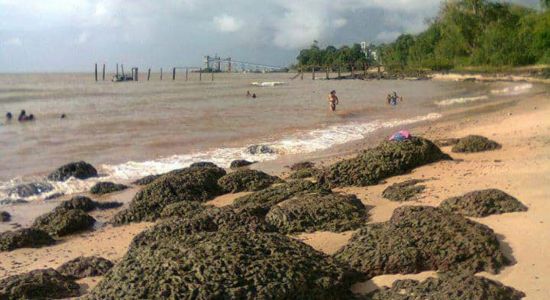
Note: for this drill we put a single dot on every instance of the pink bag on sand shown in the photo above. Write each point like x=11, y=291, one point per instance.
x=400, y=136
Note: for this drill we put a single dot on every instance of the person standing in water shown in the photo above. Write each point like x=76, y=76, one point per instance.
x=332, y=100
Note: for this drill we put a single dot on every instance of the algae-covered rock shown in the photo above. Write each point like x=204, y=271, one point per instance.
x=30, y=189
x=101, y=188
x=203, y=164
x=185, y=209
x=403, y=191
x=263, y=200
x=226, y=265
x=260, y=149
x=189, y=184
x=82, y=267
x=483, y=203
x=302, y=165
x=147, y=179
x=79, y=170
x=450, y=287
x=304, y=173
x=61, y=222
x=312, y=212
x=24, y=238
x=38, y=284
x=475, y=143
x=239, y=163
x=420, y=238
x=78, y=202
x=246, y=181
x=390, y=158
x=5, y=216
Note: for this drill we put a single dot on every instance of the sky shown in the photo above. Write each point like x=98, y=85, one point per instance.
x=72, y=35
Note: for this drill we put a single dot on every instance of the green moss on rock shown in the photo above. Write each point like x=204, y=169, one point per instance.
x=483, y=203
x=82, y=267
x=421, y=238
x=475, y=143
x=245, y=180
x=24, y=238
x=61, y=222
x=390, y=158
x=38, y=284
x=403, y=191
x=189, y=184
x=239, y=163
x=147, y=179
x=449, y=286
x=79, y=170
x=186, y=209
x=305, y=173
x=78, y=202
x=226, y=265
x=102, y=188
x=312, y=212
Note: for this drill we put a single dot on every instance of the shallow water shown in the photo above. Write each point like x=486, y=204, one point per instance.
x=133, y=129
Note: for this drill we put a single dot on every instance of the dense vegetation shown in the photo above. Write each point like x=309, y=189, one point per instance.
x=464, y=33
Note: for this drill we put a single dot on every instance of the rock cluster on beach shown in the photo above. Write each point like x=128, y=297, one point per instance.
x=227, y=265
x=403, y=191
x=189, y=184
x=86, y=204
x=313, y=212
x=260, y=149
x=421, y=238
x=245, y=180
x=449, y=286
x=61, y=222
x=82, y=267
x=475, y=143
x=79, y=170
x=24, y=238
x=38, y=284
x=390, y=158
x=102, y=188
x=483, y=203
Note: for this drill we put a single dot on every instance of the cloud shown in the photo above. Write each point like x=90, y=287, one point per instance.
x=13, y=42
x=226, y=23
x=339, y=23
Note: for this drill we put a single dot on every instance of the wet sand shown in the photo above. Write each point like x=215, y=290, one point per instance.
x=521, y=168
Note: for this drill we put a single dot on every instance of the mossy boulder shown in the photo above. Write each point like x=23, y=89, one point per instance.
x=448, y=286
x=78, y=202
x=185, y=209
x=421, y=238
x=24, y=238
x=82, y=267
x=30, y=189
x=147, y=179
x=101, y=188
x=226, y=265
x=475, y=143
x=303, y=170
x=246, y=181
x=203, y=164
x=79, y=170
x=313, y=212
x=5, y=216
x=390, y=158
x=263, y=200
x=38, y=284
x=61, y=222
x=239, y=163
x=483, y=203
x=403, y=191
x=189, y=184
x=302, y=165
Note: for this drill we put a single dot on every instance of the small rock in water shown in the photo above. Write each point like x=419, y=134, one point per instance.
x=240, y=163
x=260, y=149
x=5, y=216
x=79, y=170
x=31, y=189
x=102, y=188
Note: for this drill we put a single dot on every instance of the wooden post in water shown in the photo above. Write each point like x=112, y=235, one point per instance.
x=137, y=74
x=313, y=73
x=302, y=73
x=186, y=74
x=103, y=74
x=117, y=69
x=160, y=74
x=326, y=70
x=148, y=74
x=352, y=71
x=200, y=74
x=339, y=71
x=365, y=68
x=95, y=72
x=173, y=73
x=212, y=75
x=378, y=71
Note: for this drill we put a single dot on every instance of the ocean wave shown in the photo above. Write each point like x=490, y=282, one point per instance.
x=302, y=142
x=513, y=90
x=460, y=100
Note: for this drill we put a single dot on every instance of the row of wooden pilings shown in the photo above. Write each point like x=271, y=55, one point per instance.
x=135, y=73
x=330, y=69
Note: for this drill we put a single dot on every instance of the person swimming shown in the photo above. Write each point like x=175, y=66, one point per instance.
x=9, y=116
x=393, y=98
x=248, y=94
x=22, y=116
x=254, y=96
x=332, y=100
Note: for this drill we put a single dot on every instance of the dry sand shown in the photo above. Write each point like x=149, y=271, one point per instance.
x=521, y=168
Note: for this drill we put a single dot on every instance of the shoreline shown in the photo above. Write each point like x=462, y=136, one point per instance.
x=521, y=168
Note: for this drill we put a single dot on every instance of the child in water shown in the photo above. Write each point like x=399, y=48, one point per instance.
x=332, y=100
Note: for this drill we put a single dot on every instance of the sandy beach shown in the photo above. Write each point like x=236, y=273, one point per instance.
x=521, y=168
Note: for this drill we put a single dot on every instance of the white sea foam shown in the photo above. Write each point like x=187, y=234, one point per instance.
x=513, y=90
x=460, y=100
x=268, y=83
x=303, y=142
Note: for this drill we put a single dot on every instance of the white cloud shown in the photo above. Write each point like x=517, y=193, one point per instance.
x=13, y=42
x=227, y=23
x=339, y=23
